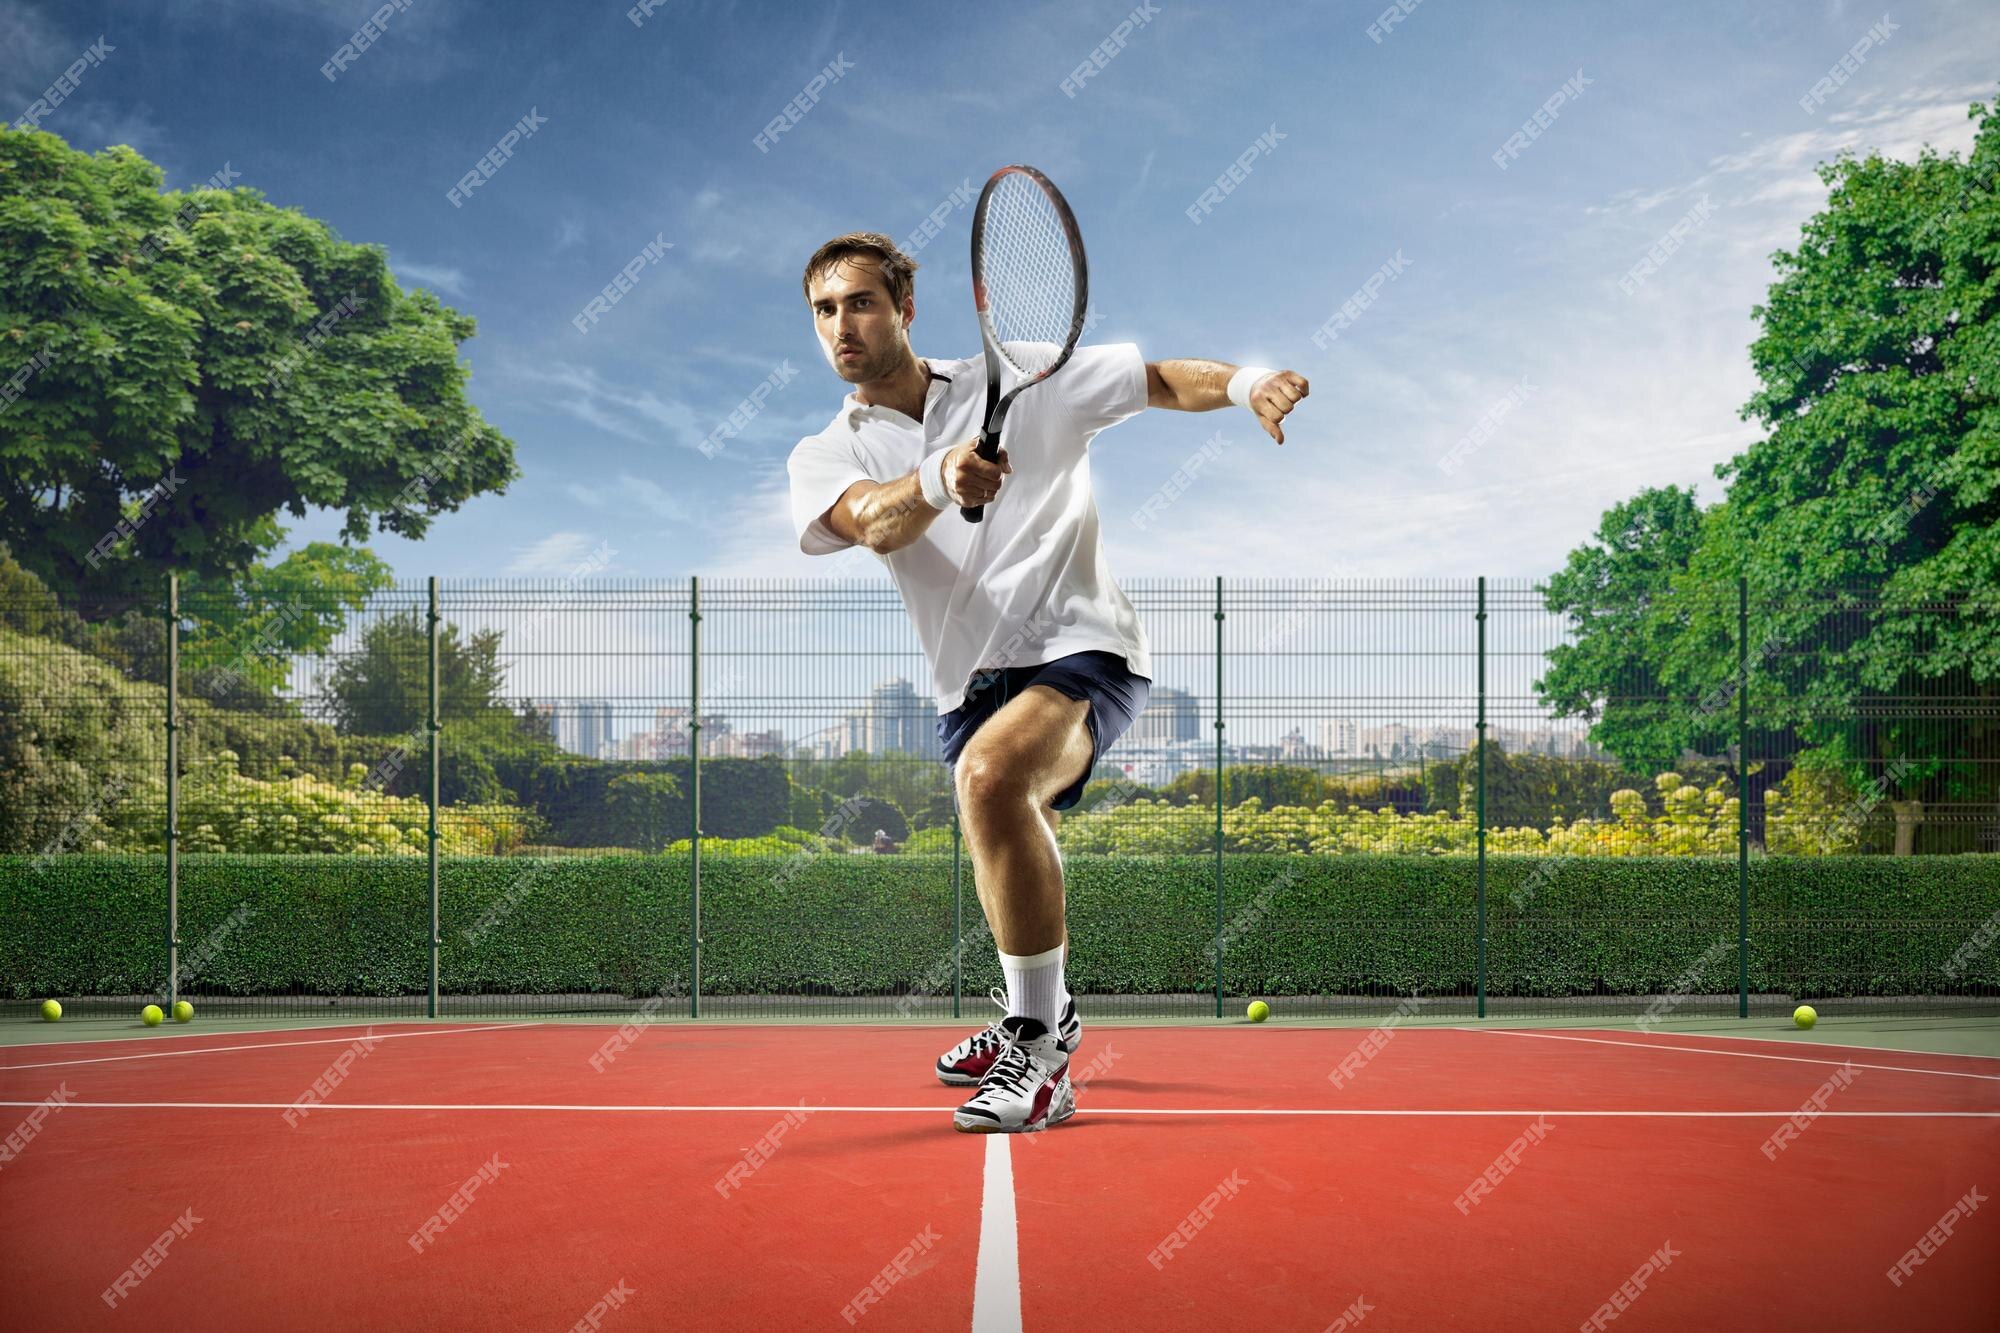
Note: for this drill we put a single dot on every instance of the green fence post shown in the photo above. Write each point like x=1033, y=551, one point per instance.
x=957, y=915
x=1218, y=795
x=694, y=803
x=431, y=797
x=173, y=790
x=1742, y=797
x=1481, y=890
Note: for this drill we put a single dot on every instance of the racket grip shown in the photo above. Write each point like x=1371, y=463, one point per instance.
x=989, y=449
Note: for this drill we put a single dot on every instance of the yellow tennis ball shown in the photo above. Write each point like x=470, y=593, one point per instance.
x=151, y=1013
x=1259, y=1011
x=183, y=1011
x=51, y=1010
x=1805, y=1016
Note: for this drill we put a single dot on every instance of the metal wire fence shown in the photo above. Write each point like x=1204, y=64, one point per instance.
x=726, y=798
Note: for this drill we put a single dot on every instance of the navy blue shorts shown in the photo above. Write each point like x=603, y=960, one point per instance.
x=1101, y=679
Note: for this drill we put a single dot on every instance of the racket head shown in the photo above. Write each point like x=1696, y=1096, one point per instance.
x=1030, y=280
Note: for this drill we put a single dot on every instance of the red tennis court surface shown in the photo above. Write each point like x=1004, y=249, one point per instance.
x=761, y=1177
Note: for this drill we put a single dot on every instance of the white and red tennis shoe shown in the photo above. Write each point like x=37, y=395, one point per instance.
x=966, y=1063
x=1027, y=1087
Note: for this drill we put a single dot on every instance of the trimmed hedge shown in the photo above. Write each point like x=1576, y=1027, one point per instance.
x=831, y=923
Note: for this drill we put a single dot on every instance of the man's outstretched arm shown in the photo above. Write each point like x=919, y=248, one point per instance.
x=887, y=516
x=1202, y=386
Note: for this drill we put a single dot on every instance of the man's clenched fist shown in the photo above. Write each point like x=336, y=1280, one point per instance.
x=972, y=480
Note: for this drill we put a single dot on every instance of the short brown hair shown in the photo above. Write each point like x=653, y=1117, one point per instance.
x=899, y=271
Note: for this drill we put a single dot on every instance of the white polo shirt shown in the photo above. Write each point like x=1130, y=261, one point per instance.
x=1028, y=584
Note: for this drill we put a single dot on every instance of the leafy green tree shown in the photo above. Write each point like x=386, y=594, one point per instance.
x=236, y=639
x=935, y=812
x=1274, y=784
x=181, y=367
x=901, y=779
x=246, y=633
x=26, y=604
x=871, y=813
x=643, y=806
x=1617, y=594
x=1879, y=361
x=807, y=805
x=384, y=687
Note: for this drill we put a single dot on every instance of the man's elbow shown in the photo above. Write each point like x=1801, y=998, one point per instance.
x=856, y=527
x=847, y=518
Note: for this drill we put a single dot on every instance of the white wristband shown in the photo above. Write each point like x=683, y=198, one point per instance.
x=930, y=476
x=1244, y=380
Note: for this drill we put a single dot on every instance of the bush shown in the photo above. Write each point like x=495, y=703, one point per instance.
x=640, y=805
x=223, y=811
x=931, y=841
x=739, y=797
x=808, y=805
x=1811, y=813
x=869, y=813
x=1693, y=822
x=77, y=740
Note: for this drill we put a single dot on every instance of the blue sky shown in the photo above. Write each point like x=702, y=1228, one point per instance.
x=1504, y=338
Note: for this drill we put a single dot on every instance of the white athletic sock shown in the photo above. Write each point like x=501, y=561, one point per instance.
x=1035, y=985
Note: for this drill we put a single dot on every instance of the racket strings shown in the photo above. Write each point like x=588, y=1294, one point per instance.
x=1029, y=273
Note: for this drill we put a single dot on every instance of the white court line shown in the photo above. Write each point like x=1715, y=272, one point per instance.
x=261, y=1046
x=1731, y=1055
x=1779, y=1041
x=996, y=1290
x=942, y=1108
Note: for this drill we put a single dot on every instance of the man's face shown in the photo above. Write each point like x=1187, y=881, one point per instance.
x=863, y=336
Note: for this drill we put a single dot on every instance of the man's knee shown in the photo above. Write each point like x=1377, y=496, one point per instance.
x=986, y=781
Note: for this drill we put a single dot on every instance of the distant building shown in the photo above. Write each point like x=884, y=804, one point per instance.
x=1158, y=765
x=580, y=726
x=745, y=745
x=1340, y=736
x=895, y=720
x=590, y=730
x=1385, y=740
x=668, y=736
x=1295, y=749
x=1170, y=715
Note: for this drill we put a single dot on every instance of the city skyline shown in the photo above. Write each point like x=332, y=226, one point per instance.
x=1171, y=735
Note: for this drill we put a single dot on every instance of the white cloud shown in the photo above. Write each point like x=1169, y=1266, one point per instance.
x=650, y=418
x=37, y=53
x=630, y=492
x=752, y=537
x=450, y=281
x=559, y=554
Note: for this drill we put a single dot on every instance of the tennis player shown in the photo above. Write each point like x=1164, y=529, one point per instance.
x=1039, y=661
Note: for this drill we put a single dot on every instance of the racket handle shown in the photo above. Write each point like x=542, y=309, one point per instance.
x=989, y=449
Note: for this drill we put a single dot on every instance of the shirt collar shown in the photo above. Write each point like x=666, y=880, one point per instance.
x=853, y=411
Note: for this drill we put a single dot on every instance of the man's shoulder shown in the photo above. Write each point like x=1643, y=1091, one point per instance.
x=836, y=432
x=955, y=369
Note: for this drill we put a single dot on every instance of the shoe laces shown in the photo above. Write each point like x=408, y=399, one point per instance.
x=993, y=1035
x=1013, y=1068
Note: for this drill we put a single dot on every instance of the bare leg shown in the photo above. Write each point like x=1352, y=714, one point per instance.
x=1014, y=765
x=1053, y=817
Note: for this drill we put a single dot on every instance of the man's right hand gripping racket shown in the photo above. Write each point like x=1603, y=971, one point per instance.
x=1030, y=284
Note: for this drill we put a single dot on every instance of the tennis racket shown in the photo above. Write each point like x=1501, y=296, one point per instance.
x=1030, y=285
